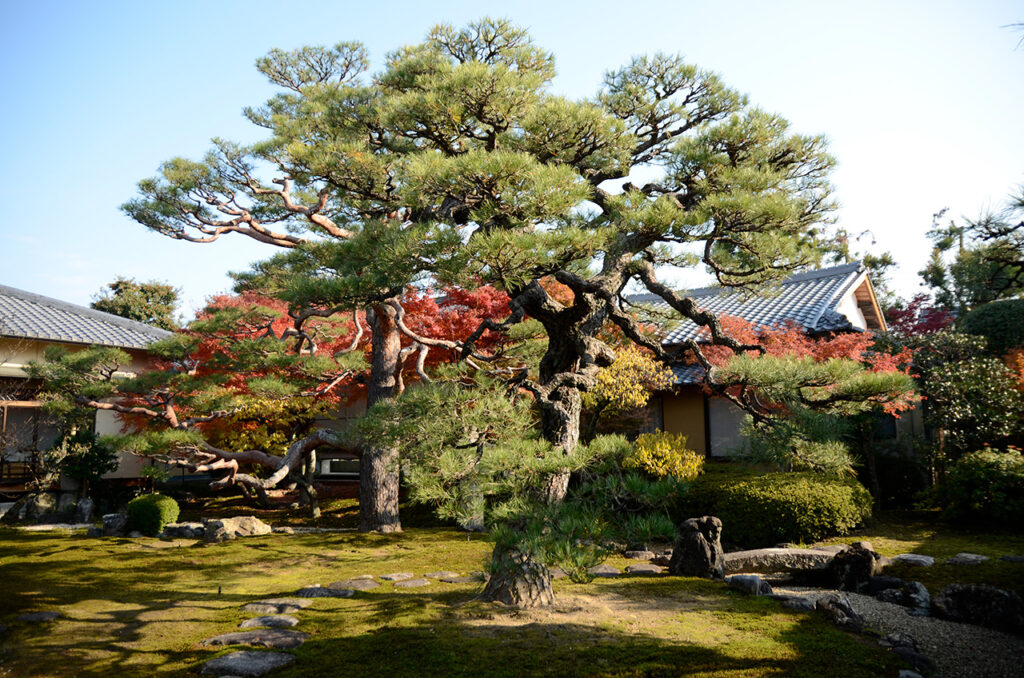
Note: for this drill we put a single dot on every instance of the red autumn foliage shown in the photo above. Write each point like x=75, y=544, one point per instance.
x=919, y=317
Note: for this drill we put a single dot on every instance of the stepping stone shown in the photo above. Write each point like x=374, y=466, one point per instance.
x=1012, y=559
x=279, y=639
x=37, y=617
x=604, y=571
x=411, y=583
x=460, y=580
x=277, y=605
x=354, y=584
x=966, y=559
x=914, y=559
x=274, y=621
x=324, y=592
x=557, y=572
x=397, y=576
x=645, y=568
x=445, y=574
x=246, y=663
x=640, y=555
x=364, y=576
x=284, y=530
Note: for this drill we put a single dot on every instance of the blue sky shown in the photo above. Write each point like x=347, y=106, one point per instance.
x=922, y=103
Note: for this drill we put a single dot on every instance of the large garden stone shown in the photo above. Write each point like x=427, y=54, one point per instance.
x=272, y=621
x=750, y=584
x=852, y=569
x=246, y=663
x=232, y=528
x=838, y=609
x=354, y=584
x=84, y=509
x=604, y=571
x=277, y=605
x=412, y=583
x=114, y=524
x=966, y=559
x=185, y=530
x=30, y=508
x=397, y=576
x=982, y=605
x=280, y=639
x=777, y=560
x=914, y=559
x=698, y=551
x=441, y=575
x=323, y=592
x=644, y=568
x=640, y=555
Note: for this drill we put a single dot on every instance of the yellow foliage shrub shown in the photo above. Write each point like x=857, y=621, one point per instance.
x=628, y=382
x=665, y=454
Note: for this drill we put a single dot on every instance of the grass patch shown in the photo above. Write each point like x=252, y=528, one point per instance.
x=139, y=608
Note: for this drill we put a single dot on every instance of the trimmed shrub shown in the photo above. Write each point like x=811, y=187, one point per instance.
x=762, y=510
x=985, y=486
x=149, y=513
x=999, y=322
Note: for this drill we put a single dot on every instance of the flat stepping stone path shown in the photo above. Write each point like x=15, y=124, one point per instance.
x=324, y=592
x=411, y=583
x=275, y=638
x=604, y=571
x=397, y=576
x=441, y=575
x=274, y=621
x=1012, y=559
x=277, y=605
x=246, y=663
x=966, y=559
x=354, y=584
x=645, y=568
x=460, y=580
x=38, y=617
x=640, y=555
x=914, y=559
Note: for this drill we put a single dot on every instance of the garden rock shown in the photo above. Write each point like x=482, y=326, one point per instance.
x=643, y=568
x=66, y=505
x=94, y=531
x=277, y=605
x=84, y=510
x=323, y=592
x=777, y=560
x=217, y=531
x=30, y=508
x=184, y=530
x=557, y=572
x=279, y=639
x=441, y=575
x=750, y=584
x=38, y=617
x=982, y=605
x=284, y=529
x=135, y=534
x=354, y=584
x=915, y=659
x=966, y=559
x=793, y=602
x=837, y=607
x=464, y=580
x=852, y=569
x=246, y=663
x=397, y=576
x=604, y=571
x=830, y=548
x=411, y=583
x=917, y=598
x=1012, y=559
x=914, y=559
x=114, y=523
x=640, y=555
x=273, y=621
x=698, y=551
x=881, y=583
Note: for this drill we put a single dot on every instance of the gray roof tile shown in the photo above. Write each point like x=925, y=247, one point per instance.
x=32, y=316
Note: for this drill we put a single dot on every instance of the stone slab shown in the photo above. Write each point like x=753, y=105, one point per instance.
x=278, y=639
x=277, y=605
x=324, y=592
x=966, y=559
x=397, y=576
x=412, y=583
x=643, y=568
x=777, y=560
x=441, y=575
x=460, y=580
x=354, y=584
x=273, y=621
x=246, y=663
x=604, y=571
x=640, y=555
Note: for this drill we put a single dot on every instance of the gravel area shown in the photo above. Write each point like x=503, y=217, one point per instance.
x=958, y=650
x=46, y=527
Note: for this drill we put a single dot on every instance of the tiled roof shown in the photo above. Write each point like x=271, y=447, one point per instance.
x=32, y=316
x=809, y=299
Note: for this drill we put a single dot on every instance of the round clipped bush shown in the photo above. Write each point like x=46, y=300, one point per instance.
x=985, y=486
x=999, y=322
x=149, y=513
x=767, y=509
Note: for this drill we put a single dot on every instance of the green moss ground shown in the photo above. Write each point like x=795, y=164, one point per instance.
x=139, y=608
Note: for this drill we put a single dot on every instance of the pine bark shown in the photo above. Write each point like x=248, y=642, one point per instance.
x=378, y=466
x=518, y=580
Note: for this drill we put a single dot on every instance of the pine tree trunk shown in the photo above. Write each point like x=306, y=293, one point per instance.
x=561, y=426
x=378, y=466
x=518, y=580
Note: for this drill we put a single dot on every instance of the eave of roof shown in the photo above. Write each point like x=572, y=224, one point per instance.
x=25, y=315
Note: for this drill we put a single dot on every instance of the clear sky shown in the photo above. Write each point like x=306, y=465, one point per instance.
x=923, y=103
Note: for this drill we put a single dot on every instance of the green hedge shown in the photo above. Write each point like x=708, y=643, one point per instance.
x=999, y=322
x=149, y=513
x=985, y=486
x=765, y=509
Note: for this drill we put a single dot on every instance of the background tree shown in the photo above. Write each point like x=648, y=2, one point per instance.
x=153, y=303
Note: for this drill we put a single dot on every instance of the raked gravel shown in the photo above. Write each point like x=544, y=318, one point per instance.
x=958, y=650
